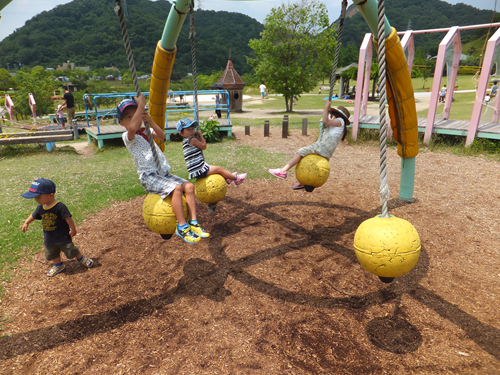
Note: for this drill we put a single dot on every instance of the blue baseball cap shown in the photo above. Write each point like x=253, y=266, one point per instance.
x=40, y=186
x=124, y=104
x=185, y=123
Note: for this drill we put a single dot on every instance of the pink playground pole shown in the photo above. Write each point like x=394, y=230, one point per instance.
x=363, y=79
x=409, y=46
x=436, y=84
x=481, y=89
x=33, y=106
x=9, y=104
x=457, y=51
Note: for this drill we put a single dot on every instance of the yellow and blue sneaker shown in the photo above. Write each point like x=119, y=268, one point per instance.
x=197, y=229
x=187, y=235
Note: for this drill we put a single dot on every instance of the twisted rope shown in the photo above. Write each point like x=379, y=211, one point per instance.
x=131, y=64
x=384, y=185
x=337, y=48
x=193, y=58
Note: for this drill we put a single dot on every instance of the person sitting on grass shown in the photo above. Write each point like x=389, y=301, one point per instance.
x=58, y=226
x=333, y=131
x=131, y=114
x=195, y=161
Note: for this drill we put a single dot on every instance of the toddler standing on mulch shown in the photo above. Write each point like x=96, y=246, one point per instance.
x=131, y=114
x=195, y=161
x=58, y=226
x=333, y=131
x=60, y=117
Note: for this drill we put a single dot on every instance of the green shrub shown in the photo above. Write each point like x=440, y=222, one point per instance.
x=210, y=131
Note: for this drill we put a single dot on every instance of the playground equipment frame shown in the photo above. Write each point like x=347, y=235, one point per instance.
x=452, y=37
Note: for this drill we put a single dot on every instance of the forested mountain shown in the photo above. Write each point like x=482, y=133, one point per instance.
x=87, y=33
x=419, y=15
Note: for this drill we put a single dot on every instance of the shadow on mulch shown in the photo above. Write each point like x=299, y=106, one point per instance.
x=203, y=278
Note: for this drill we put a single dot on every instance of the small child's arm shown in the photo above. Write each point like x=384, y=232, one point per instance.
x=326, y=120
x=136, y=121
x=28, y=221
x=200, y=143
x=72, y=226
x=157, y=132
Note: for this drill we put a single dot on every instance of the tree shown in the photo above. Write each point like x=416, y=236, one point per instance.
x=41, y=84
x=6, y=80
x=295, y=38
x=79, y=78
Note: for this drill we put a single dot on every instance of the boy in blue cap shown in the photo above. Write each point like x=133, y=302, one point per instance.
x=131, y=115
x=195, y=161
x=58, y=226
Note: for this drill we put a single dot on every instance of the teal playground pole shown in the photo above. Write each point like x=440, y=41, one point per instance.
x=407, y=181
x=175, y=20
x=369, y=10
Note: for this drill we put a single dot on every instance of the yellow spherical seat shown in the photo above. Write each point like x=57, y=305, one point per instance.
x=312, y=171
x=387, y=247
x=210, y=189
x=159, y=215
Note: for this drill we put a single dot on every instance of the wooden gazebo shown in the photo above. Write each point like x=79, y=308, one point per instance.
x=231, y=81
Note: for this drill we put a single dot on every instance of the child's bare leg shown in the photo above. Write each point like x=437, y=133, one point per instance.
x=293, y=161
x=213, y=169
x=177, y=205
x=57, y=260
x=188, y=189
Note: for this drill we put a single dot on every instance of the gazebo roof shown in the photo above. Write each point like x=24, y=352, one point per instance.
x=230, y=78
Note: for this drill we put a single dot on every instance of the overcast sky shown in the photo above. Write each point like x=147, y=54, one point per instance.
x=18, y=12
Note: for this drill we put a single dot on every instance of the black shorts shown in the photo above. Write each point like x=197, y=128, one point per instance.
x=203, y=175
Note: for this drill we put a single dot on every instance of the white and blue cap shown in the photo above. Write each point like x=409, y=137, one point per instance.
x=124, y=104
x=186, y=123
x=40, y=186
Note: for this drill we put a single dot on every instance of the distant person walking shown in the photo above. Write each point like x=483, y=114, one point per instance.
x=263, y=90
x=88, y=102
x=69, y=103
x=442, y=94
x=494, y=89
x=181, y=96
x=217, y=106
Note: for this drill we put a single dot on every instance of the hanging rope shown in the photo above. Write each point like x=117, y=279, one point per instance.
x=487, y=35
x=384, y=185
x=337, y=48
x=131, y=64
x=193, y=58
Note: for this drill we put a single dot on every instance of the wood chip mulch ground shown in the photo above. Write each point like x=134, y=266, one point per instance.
x=277, y=288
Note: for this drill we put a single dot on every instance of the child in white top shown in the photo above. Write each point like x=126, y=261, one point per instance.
x=332, y=132
x=60, y=117
x=131, y=114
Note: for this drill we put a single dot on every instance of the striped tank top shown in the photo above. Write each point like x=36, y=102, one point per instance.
x=195, y=162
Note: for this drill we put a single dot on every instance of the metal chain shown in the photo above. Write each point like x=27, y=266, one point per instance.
x=384, y=185
x=337, y=48
x=131, y=64
x=193, y=58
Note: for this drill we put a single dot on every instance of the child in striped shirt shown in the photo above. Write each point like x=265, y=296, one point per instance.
x=195, y=162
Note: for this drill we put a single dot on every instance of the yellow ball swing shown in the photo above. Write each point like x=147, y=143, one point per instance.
x=157, y=212
x=385, y=245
